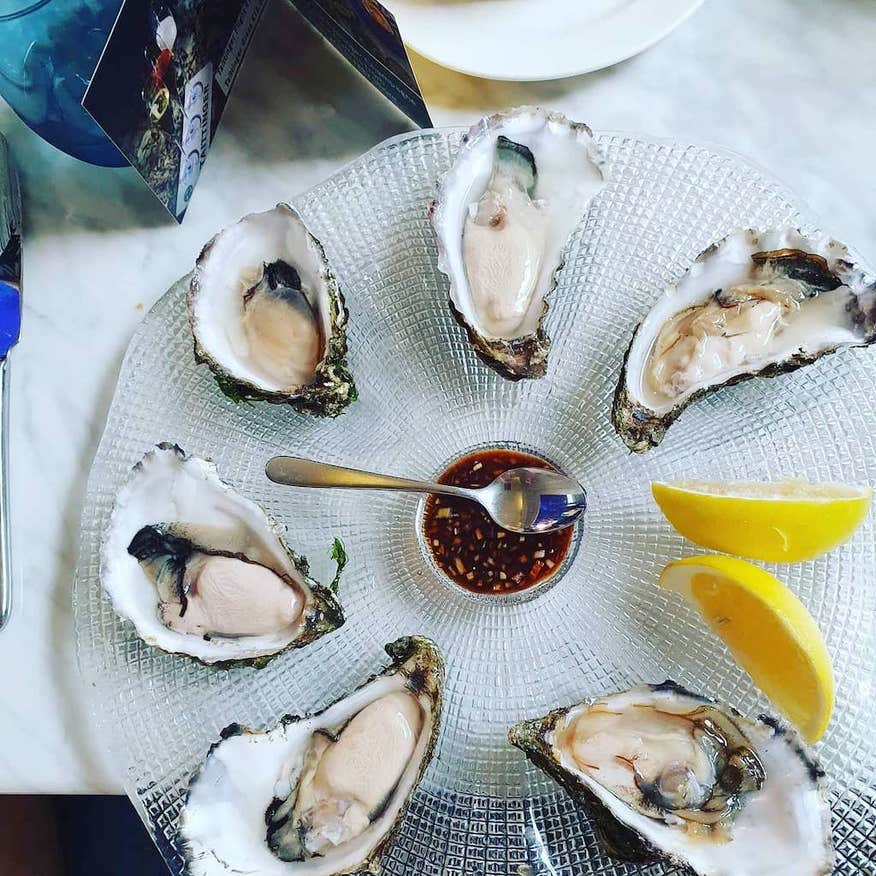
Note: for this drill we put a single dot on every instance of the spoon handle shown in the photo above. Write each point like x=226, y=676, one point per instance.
x=296, y=472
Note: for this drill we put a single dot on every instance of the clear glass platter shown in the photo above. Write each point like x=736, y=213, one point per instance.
x=426, y=399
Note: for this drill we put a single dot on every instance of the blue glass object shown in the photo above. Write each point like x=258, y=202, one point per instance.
x=48, y=51
x=10, y=317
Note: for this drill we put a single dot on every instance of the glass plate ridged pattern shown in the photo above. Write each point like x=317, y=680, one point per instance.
x=425, y=399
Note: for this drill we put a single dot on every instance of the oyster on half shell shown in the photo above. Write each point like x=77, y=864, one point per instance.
x=755, y=304
x=268, y=315
x=504, y=212
x=666, y=773
x=200, y=570
x=321, y=795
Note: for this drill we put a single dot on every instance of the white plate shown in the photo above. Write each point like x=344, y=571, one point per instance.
x=535, y=39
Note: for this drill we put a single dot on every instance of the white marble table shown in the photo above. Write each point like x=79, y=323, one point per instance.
x=790, y=83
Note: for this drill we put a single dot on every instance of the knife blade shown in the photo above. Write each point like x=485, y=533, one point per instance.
x=10, y=329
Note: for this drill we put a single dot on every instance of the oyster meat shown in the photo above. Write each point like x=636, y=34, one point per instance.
x=321, y=795
x=505, y=210
x=756, y=304
x=268, y=316
x=666, y=773
x=200, y=570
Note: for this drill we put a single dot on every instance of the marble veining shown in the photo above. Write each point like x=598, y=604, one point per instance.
x=790, y=84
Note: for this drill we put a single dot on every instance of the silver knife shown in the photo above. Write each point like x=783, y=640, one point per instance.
x=10, y=325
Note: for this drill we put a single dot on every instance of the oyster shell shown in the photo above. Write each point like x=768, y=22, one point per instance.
x=667, y=773
x=200, y=570
x=268, y=316
x=504, y=212
x=755, y=304
x=321, y=795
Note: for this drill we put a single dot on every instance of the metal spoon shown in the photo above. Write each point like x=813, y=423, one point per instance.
x=521, y=499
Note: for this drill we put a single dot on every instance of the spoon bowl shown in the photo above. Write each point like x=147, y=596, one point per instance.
x=533, y=500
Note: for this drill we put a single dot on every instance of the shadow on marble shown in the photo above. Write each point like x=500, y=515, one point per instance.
x=67, y=192
x=297, y=99
x=65, y=676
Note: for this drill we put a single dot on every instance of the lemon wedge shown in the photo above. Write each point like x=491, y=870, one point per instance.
x=767, y=629
x=782, y=522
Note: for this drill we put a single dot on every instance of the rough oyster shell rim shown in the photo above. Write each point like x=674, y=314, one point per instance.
x=427, y=665
x=622, y=841
x=642, y=428
x=333, y=387
x=328, y=613
x=526, y=356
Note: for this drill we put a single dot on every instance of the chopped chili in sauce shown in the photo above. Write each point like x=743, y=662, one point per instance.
x=472, y=550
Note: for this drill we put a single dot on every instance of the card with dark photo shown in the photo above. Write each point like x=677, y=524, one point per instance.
x=162, y=83
x=165, y=74
x=367, y=35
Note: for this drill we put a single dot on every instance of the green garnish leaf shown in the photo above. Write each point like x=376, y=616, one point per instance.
x=339, y=555
x=229, y=389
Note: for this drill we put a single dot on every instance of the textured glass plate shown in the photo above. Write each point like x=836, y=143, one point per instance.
x=426, y=398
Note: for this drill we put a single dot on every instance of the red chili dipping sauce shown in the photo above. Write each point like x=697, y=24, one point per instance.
x=471, y=549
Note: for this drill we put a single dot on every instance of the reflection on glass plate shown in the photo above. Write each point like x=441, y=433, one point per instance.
x=425, y=399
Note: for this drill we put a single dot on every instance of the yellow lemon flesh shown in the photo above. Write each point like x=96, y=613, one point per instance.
x=782, y=522
x=768, y=630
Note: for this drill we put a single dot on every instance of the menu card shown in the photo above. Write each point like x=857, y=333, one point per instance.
x=162, y=82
